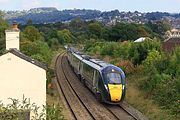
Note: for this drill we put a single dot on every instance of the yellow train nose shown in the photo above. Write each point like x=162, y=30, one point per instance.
x=115, y=92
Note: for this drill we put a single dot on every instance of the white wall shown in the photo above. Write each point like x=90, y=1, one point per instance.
x=12, y=39
x=18, y=77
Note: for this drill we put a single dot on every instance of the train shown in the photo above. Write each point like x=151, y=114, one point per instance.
x=106, y=81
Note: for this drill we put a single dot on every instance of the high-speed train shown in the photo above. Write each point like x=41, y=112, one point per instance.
x=105, y=80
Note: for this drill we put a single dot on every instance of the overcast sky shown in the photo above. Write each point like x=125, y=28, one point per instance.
x=103, y=5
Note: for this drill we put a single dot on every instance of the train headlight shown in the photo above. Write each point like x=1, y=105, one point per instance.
x=123, y=87
x=106, y=87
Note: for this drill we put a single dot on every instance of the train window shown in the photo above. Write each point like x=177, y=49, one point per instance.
x=113, y=78
x=88, y=71
x=96, y=78
x=76, y=62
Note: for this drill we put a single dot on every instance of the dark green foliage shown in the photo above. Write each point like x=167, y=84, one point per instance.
x=126, y=31
x=38, y=50
x=159, y=28
x=84, y=30
x=32, y=44
x=53, y=43
x=77, y=25
x=95, y=29
x=139, y=51
x=2, y=45
x=106, y=33
x=32, y=34
x=51, y=34
x=3, y=26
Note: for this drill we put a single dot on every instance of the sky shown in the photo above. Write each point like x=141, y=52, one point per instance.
x=172, y=6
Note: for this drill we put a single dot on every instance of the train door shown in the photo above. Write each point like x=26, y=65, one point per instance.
x=95, y=81
x=82, y=72
x=81, y=68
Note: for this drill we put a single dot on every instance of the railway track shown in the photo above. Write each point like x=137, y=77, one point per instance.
x=79, y=112
x=81, y=102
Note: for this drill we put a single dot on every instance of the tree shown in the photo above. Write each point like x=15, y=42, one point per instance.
x=152, y=57
x=124, y=31
x=38, y=50
x=53, y=43
x=139, y=51
x=29, y=22
x=106, y=33
x=3, y=26
x=32, y=34
x=95, y=29
x=77, y=24
x=142, y=32
x=65, y=36
x=159, y=28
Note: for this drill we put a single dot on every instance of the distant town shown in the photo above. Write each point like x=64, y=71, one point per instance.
x=39, y=15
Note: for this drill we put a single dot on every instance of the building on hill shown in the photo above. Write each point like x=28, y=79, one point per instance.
x=21, y=75
x=172, y=40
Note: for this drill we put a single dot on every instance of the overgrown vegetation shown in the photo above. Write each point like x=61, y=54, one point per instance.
x=22, y=110
x=163, y=81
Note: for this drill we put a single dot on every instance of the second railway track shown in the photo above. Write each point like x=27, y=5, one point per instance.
x=81, y=102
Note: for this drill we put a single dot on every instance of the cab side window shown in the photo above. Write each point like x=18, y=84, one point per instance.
x=96, y=79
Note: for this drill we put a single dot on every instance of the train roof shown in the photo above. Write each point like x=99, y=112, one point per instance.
x=95, y=63
x=99, y=62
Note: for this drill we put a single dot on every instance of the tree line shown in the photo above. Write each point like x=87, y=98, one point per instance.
x=79, y=31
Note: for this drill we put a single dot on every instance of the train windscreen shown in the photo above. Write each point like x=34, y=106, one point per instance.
x=113, y=78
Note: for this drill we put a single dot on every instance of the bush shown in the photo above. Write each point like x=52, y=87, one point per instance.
x=54, y=112
x=50, y=75
x=127, y=66
x=122, y=50
x=109, y=49
x=152, y=57
x=139, y=51
x=163, y=83
x=20, y=110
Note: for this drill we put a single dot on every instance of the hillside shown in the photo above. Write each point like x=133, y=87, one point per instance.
x=51, y=15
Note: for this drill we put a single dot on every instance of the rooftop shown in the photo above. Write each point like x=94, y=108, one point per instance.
x=27, y=58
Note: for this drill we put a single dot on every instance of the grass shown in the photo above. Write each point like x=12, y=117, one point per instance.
x=138, y=99
x=53, y=99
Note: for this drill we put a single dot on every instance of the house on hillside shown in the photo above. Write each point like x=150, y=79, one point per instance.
x=172, y=40
x=19, y=74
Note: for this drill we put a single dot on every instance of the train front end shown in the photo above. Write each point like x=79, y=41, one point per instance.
x=114, y=83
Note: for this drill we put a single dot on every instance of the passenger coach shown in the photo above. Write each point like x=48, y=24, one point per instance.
x=105, y=80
